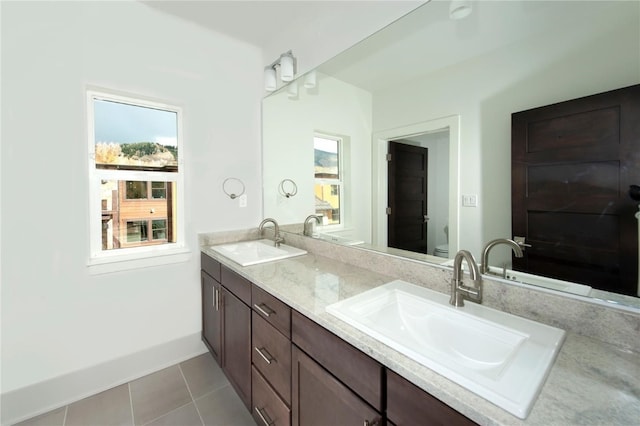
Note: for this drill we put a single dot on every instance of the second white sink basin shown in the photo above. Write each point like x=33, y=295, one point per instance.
x=501, y=357
x=254, y=252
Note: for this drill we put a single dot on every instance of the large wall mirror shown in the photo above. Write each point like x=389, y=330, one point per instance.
x=441, y=92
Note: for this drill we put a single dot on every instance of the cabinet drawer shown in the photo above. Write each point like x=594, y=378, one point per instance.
x=271, y=355
x=239, y=286
x=273, y=310
x=268, y=409
x=358, y=371
x=406, y=402
x=210, y=266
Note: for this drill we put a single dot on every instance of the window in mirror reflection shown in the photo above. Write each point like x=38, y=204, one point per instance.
x=328, y=178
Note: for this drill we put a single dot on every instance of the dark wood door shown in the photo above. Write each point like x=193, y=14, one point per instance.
x=211, y=315
x=236, y=346
x=319, y=399
x=572, y=165
x=407, y=199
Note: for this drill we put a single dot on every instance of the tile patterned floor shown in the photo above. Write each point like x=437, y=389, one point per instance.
x=192, y=393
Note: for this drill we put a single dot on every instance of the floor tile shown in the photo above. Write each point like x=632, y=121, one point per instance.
x=184, y=416
x=157, y=394
x=223, y=407
x=108, y=408
x=52, y=418
x=203, y=375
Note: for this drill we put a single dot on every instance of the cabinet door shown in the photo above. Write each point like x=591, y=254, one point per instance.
x=236, y=358
x=319, y=399
x=211, y=315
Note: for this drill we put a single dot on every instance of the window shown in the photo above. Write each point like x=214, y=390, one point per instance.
x=136, y=177
x=328, y=178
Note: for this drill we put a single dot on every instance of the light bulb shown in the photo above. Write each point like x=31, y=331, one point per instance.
x=459, y=9
x=292, y=90
x=310, y=79
x=270, y=83
x=286, y=67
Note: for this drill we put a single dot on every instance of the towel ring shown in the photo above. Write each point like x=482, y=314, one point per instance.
x=293, y=188
x=232, y=195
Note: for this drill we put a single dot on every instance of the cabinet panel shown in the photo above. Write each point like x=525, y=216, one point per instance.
x=211, y=315
x=319, y=399
x=358, y=371
x=406, y=402
x=239, y=286
x=268, y=409
x=236, y=358
x=276, y=312
x=271, y=355
x=210, y=266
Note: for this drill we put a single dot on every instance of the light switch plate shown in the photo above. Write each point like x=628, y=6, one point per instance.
x=470, y=200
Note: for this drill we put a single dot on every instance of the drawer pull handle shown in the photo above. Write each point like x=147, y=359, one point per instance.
x=264, y=309
x=265, y=355
x=263, y=416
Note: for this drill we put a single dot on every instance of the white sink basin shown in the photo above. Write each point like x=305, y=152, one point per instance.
x=501, y=357
x=253, y=252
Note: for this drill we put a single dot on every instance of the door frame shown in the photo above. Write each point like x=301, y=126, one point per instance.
x=380, y=149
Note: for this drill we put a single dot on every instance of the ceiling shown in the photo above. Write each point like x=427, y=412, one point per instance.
x=255, y=22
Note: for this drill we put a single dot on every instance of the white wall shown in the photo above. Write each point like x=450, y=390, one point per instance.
x=333, y=108
x=57, y=318
x=486, y=90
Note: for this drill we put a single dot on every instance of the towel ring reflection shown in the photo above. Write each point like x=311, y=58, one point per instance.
x=288, y=193
x=232, y=195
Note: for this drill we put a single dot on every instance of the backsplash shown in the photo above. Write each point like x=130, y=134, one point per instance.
x=611, y=325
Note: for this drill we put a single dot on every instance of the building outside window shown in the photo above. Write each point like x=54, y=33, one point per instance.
x=329, y=188
x=135, y=174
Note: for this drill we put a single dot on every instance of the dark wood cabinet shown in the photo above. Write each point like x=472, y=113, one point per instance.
x=211, y=315
x=319, y=399
x=226, y=323
x=236, y=345
x=409, y=405
x=358, y=371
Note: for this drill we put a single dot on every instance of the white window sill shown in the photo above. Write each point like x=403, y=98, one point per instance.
x=109, y=264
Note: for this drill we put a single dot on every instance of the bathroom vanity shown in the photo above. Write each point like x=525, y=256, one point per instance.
x=305, y=364
x=287, y=369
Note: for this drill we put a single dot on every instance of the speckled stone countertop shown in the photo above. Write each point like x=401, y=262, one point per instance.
x=591, y=382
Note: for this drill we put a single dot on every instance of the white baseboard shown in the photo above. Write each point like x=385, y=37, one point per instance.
x=33, y=400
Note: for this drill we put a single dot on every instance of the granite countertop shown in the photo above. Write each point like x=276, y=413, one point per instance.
x=591, y=382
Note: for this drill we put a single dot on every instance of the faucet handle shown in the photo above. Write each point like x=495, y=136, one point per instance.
x=520, y=241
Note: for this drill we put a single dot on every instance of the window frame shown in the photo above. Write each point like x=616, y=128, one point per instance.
x=104, y=261
x=340, y=182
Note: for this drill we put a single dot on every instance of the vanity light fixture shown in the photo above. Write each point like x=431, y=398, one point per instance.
x=459, y=9
x=288, y=67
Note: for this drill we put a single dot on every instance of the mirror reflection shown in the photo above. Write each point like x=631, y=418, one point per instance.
x=449, y=87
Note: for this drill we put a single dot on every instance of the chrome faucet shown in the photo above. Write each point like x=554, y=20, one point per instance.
x=459, y=291
x=517, y=249
x=277, y=239
x=308, y=224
